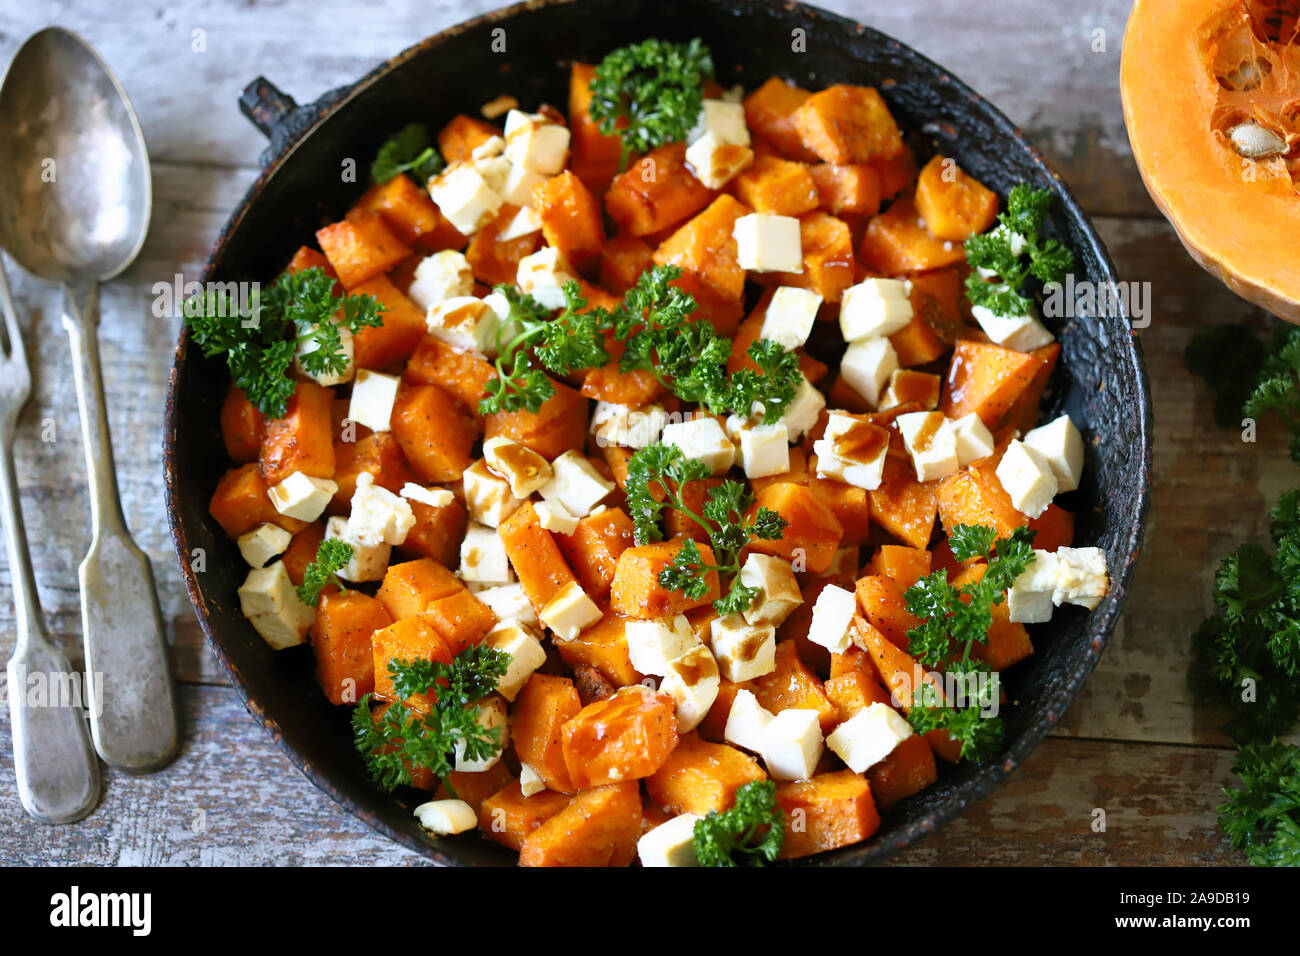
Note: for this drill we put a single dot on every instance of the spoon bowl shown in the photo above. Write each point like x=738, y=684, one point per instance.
x=76, y=196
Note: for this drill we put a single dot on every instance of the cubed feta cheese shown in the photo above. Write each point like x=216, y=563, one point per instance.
x=746, y=722
x=433, y=497
x=1024, y=333
x=831, y=616
x=790, y=316
x=875, y=308
x=373, y=394
x=930, y=442
x=536, y=143
x=778, y=590
x=765, y=450
x=904, y=387
x=1029, y=599
x=311, y=345
x=672, y=843
x=494, y=170
x=869, y=736
x=653, y=644
x=526, y=655
x=483, y=556
x=1081, y=577
x=628, y=427
x=792, y=744
x=492, y=146
x=270, y=602
x=378, y=516
x=852, y=451
x=725, y=120
x=867, y=365
x=702, y=438
x=974, y=440
x=446, y=817
x=804, y=409
x=523, y=223
x=464, y=197
x=569, y=612
x=1027, y=477
x=743, y=650
x=491, y=714
x=715, y=163
x=518, y=464
x=509, y=603
x=302, y=496
x=530, y=781
x=543, y=275
x=575, y=484
x=692, y=681
x=487, y=496
x=443, y=275
x=518, y=187
x=552, y=516
x=1062, y=445
x=369, y=561
x=263, y=543
x=766, y=243
x=463, y=322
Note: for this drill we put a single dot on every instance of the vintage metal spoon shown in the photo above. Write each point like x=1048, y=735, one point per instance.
x=75, y=199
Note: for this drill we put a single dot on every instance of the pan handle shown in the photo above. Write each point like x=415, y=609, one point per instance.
x=266, y=105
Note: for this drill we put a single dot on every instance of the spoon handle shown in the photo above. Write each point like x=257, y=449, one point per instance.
x=133, y=705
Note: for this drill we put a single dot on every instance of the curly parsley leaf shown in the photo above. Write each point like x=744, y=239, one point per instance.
x=1262, y=816
x=1230, y=359
x=1278, y=387
x=973, y=725
x=409, y=151
x=1003, y=251
x=650, y=93
x=750, y=833
x=332, y=556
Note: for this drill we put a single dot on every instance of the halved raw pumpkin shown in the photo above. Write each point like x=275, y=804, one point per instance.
x=1211, y=93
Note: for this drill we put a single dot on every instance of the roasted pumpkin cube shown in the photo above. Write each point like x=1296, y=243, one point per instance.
x=361, y=248
x=571, y=218
x=835, y=809
x=411, y=586
x=599, y=827
x=792, y=685
x=303, y=440
x=436, y=435
x=636, y=591
x=460, y=619
x=240, y=503
x=603, y=646
x=904, y=506
x=656, y=192
x=847, y=124
x=382, y=346
x=508, y=816
x=494, y=260
x=593, y=548
x=537, y=720
x=627, y=737
x=986, y=379
x=897, y=242
x=705, y=249
x=241, y=426
x=341, y=637
x=410, y=639
x=777, y=187
x=700, y=777
x=954, y=204
x=461, y=374
x=535, y=556
x=908, y=770
x=462, y=135
x=560, y=425
x=622, y=260
x=812, y=531
x=769, y=112
x=852, y=190
x=437, y=532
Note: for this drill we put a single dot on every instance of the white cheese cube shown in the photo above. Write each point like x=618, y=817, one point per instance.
x=1081, y=577
x=652, y=645
x=1062, y=446
x=693, y=682
x=746, y=722
x=724, y=119
x=838, y=458
x=368, y=563
x=269, y=601
x=628, y=427
x=672, y=843
x=875, y=308
x=765, y=450
x=530, y=781
x=302, y=496
x=867, y=365
x=832, y=614
x=766, y=243
x=543, y=275
x=526, y=655
x=869, y=736
x=792, y=744
x=1024, y=333
x=974, y=440
x=492, y=146
x=523, y=223
x=575, y=484
x=518, y=187
x=569, y=612
x=378, y=516
x=715, y=163
x=443, y=275
x=743, y=650
x=790, y=316
x=446, y=817
x=1029, y=599
x=702, y=438
x=892, y=397
x=526, y=470
x=778, y=590
x=346, y=346
x=262, y=544
x=494, y=170
x=491, y=713
x=433, y=497
x=463, y=322
x=373, y=394
x=487, y=496
x=464, y=197
x=1027, y=477
x=483, y=556
x=535, y=143
x=804, y=409
x=509, y=603
x=931, y=443
x=552, y=516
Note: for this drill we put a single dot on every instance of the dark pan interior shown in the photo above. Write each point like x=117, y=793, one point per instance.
x=1100, y=381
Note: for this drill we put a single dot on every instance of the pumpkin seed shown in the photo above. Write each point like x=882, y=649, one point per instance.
x=1256, y=142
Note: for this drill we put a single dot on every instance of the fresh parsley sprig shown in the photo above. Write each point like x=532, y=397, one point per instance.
x=409, y=151
x=1003, y=250
x=332, y=556
x=750, y=833
x=1278, y=388
x=1262, y=816
x=664, y=470
x=650, y=93
x=398, y=739
x=261, y=340
x=972, y=725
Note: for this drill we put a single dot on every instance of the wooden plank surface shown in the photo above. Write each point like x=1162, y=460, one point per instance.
x=1133, y=743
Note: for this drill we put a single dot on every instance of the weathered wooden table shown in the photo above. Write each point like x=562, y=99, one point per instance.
x=1133, y=744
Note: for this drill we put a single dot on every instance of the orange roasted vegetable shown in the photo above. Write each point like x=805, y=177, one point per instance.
x=699, y=777
x=953, y=204
x=340, y=635
x=812, y=531
x=436, y=435
x=537, y=720
x=509, y=817
x=636, y=592
x=627, y=737
x=303, y=440
x=598, y=827
x=835, y=809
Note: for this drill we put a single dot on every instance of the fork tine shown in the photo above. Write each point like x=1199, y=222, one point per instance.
x=16, y=351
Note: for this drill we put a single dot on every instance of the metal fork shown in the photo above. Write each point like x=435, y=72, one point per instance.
x=58, y=775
